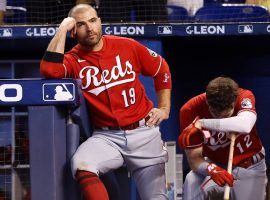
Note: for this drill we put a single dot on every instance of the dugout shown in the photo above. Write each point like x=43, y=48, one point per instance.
x=193, y=59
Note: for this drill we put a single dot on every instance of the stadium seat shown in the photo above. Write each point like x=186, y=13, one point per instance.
x=15, y=12
x=15, y=15
x=177, y=13
x=208, y=2
x=232, y=13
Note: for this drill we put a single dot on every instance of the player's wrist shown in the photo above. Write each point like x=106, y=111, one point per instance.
x=202, y=169
x=166, y=110
x=198, y=124
x=62, y=29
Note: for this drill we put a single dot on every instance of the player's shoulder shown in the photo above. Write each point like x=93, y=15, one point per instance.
x=195, y=101
x=245, y=93
x=245, y=100
x=73, y=53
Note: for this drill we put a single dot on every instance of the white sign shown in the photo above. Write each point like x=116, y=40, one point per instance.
x=5, y=32
x=245, y=28
x=13, y=98
x=164, y=30
x=268, y=28
x=206, y=30
x=124, y=30
x=58, y=91
x=41, y=32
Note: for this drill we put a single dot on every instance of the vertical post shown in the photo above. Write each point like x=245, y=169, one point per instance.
x=47, y=137
x=73, y=139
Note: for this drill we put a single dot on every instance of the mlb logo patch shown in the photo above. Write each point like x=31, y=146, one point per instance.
x=245, y=29
x=246, y=103
x=58, y=91
x=164, y=30
x=5, y=32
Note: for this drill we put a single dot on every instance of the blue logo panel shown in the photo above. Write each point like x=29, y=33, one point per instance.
x=16, y=92
x=58, y=92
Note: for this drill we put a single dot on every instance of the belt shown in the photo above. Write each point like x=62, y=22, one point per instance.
x=251, y=160
x=132, y=126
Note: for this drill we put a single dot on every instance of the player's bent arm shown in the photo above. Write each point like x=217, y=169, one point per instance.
x=242, y=123
x=163, y=85
x=57, y=44
x=196, y=159
x=198, y=164
x=164, y=101
x=51, y=65
x=157, y=115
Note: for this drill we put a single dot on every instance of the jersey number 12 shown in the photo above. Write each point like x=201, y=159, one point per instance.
x=129, y=97
x=248, y=143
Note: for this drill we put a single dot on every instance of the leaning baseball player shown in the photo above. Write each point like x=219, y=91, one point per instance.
x=206, y=122
x=125, y=123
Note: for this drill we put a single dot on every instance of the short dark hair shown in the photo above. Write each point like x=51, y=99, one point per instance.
x=221, y=93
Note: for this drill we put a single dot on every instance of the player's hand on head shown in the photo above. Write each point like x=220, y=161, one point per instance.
x=69, y=24
x=219, y=175
x=157, y=115
x=191, y=136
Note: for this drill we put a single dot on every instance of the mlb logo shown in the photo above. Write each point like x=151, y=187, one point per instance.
x=5, y=32
x=245, y=29
x=58, y=91
x=164, y=30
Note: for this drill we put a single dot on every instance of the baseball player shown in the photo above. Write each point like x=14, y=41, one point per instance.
x=206, y=121
x=126, y=126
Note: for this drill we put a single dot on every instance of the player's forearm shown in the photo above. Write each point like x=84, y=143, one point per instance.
x=196, y=160
x=57, y=44
x=242, y=123
x=164, y=100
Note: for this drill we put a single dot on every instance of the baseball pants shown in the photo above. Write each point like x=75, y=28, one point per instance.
x=141, y=150
x=250, y=184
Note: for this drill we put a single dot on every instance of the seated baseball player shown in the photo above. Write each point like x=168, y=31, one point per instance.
x=206, y=122
x=125, y=122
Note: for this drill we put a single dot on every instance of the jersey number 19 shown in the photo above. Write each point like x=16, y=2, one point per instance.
x=129, y=97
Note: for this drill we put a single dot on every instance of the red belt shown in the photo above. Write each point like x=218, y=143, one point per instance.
x=251, y=160
x=128, y=127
